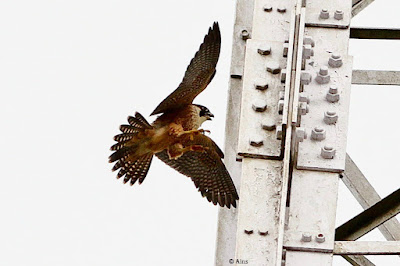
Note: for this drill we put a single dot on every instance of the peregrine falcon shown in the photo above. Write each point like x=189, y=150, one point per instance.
x=175, y=138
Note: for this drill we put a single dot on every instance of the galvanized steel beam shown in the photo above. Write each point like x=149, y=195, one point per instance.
x=376, y=77
x=359, y=5
x=370, y=218
x=374, y=33
x=367, y=248
x=367, y=196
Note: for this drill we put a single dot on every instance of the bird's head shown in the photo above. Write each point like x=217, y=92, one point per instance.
x=204, y=113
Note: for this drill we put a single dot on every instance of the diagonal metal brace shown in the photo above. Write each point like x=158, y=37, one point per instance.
x=370, y=218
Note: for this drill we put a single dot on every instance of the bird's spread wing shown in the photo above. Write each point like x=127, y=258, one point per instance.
x=198, y=75
x=206, y=170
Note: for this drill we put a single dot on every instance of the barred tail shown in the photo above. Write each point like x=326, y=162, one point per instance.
x=126, y=146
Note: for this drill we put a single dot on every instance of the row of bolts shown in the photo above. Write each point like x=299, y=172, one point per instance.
x=324, y=14
x=306, y=237
x=323, y=77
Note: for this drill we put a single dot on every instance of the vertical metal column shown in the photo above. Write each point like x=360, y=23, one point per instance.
x=323, y=113
x=291, y=78
x=227, y=218
x=263, y=133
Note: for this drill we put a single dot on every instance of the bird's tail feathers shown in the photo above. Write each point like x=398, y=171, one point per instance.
x=128, y=144
x=136, y=170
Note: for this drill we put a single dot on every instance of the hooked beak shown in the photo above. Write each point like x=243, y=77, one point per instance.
x=209, y=116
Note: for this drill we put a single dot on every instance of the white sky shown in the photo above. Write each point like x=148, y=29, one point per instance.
x=70, y=74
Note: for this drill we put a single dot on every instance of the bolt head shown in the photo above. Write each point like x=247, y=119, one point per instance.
x=258, y=142
x=281, y=103
x=338, y=15
x=264, y=50
x=283, y=75
x=306, y=237
x=309, y=40
x=260, y=84
x=303, y=108
x=259, y=106
x=328, y=152
x=245, y=35
x=330, y=117
x=274, y=68
x=285, y=49
x=318, y=133
x=324, y=14
x=303, y=98
x=307, y=51
x=281, y=9
x=267, y=8
x=269, y=127
x=279, y=132
x=305, y=78
x=281, y=95
x=249, y=232
x=301, y=134
x=335, y=60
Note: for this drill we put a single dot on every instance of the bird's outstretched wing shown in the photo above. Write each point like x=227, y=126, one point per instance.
x=198, y=75
x=206, y=170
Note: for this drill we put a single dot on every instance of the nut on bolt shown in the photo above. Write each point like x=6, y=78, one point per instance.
x=330, y=117
x=335, y=60
x=323, y=76
x=328, y=152
x=259, y=106
x=318, y=133
x=320, y=238
x=245, y=35
x=273, y=67
x=338, y=15
x=332, y=96
x=306, y=237
x=264, y=50
x=324, y=14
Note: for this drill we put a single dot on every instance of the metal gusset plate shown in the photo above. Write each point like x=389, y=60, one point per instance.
x=325, y=117
x=330, y=14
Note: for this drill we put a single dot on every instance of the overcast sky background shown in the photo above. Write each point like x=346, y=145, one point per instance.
x=70, y=74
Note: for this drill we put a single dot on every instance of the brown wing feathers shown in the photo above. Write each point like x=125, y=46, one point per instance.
x=198, y=74
x=207, y=171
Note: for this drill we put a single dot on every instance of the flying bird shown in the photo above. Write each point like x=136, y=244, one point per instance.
x=175, y=138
